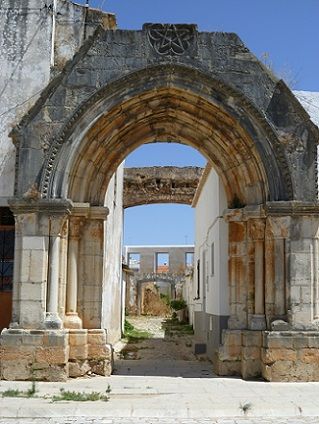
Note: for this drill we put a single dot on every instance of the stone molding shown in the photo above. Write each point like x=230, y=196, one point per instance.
x=117, y=86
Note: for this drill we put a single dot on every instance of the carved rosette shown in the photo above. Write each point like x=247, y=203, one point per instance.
x=169, y=39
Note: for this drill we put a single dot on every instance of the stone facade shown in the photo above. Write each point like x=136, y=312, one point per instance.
x=50, y=302
x=122, y=89
x=143, y=271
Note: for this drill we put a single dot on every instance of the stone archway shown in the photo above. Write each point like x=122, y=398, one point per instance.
x=212, y=94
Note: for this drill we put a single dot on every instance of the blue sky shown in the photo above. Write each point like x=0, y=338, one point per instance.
x=287, y=31
x=161, y=224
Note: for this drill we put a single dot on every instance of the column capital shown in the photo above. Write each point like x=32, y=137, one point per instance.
x=99, y=213
x=244, y=214
x=256, y=229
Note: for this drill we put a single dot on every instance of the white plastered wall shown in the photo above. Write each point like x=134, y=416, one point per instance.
x=211, y=229
x=112, y=296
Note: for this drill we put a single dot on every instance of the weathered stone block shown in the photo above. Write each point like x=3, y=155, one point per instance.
x=17, y=369
x=252, y=352
x=78, y=337
x=273, y=355
x=232, y=337
x=251, y=368
x=222, y=367
x=277, y=342
x=252, y=338
x=101, y=366
x=309, y=356
x=55, y=338
x=100, y=351
x=78, y=352
x=78, y=368
x=52, y=355
x=96, y=337
x=51, y=373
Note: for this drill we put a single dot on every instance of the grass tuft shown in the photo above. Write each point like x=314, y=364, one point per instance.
x=67, y=395
x=14, y=393
x=133, y=334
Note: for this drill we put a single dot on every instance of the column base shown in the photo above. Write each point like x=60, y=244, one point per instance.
x=40, y=355
x=257, y=322
x=227, y=360
x=53, y=355
x=53, y=321
x=100, y=354
x=290, y=356
x=72, y=321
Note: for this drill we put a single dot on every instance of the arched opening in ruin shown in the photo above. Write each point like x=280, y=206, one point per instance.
x=85, y=166
x=77, y=237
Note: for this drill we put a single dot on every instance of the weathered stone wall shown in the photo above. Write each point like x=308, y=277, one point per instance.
x=28, y=63
x=235, y=74
x=176, y=254
x=160, y=184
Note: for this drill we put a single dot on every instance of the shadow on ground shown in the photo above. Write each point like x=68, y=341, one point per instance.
x=164, y=368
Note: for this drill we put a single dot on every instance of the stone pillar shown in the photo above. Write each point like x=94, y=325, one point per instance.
x=303, y=273
x=91, y=268
x=31, y=259
x=276, y=246
x=290, y=351
x=30, y=267
x=56, y=221
x=237, y=265
x=72, y=320
x=257, y=321
x=28, y=350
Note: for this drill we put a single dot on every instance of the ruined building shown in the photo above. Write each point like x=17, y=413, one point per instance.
x=77, y=96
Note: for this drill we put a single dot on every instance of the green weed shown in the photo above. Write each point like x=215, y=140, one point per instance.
x=81, y=396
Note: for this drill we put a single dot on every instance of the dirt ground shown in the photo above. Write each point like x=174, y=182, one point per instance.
x=176, y=347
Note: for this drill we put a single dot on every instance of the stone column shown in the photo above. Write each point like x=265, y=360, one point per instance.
x=72, y=320
x=257, y=233
x=276, y=242
x=31, y=259
x=238, y=270
x=90, y=276
x=56, y=221
x=30, y=268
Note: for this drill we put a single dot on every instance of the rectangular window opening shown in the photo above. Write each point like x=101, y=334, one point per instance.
x=162, y=263
x=189, y=260
x=134, y=261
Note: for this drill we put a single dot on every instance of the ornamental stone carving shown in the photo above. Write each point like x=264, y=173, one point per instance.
x=169, y=39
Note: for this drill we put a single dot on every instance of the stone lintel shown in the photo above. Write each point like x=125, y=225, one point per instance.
x=85, y=210
x=47, y=206
x=80, y=210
